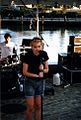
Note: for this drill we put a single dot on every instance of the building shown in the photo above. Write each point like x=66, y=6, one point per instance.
x=46, y=2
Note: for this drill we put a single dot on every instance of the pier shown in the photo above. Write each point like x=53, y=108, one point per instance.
x=57, y=22
x=18, y=19
x=65, y=104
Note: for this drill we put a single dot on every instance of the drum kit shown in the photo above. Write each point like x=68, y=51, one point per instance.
x=14, y=59
x=10, y=74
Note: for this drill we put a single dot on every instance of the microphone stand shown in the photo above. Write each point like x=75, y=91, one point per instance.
x=42, y=96
x=0, y=82
x=43, y=40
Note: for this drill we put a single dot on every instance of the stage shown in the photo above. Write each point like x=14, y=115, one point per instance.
x=65, y=104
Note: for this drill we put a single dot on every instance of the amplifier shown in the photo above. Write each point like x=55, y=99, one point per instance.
x=62, y=59
x=71, y=40
x=71, y=75
x=74, y=61
x=70, y=49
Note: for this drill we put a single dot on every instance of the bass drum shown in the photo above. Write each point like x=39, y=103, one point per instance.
x=9, y=81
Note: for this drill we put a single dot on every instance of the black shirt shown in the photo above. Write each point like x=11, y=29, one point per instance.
x=34, y=61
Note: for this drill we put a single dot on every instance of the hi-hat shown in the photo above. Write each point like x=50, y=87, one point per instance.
x=23, y=52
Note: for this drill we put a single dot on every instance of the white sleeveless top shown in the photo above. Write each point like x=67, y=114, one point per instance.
x=6, y=49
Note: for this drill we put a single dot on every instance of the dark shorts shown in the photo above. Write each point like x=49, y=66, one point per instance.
x=33, y=87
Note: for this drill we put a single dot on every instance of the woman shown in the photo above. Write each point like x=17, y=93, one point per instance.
x=35, y=64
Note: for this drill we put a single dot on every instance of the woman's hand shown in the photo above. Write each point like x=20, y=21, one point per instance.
x=41, y=67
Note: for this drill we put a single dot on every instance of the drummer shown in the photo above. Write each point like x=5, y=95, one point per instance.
x=7, y=47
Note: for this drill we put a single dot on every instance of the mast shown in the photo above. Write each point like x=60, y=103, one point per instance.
x=0, y=21
x=0, y=15
x=37, y=18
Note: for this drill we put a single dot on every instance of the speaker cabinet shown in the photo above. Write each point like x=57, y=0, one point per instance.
x=70, y=49
x=71, y=40
x=72, y=75
x=74, y=61
x=62, y=59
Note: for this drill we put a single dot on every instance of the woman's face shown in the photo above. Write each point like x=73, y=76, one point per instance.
x=37, y=47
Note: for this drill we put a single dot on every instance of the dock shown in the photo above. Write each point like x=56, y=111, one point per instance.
x=65, y=104
x=59, y=22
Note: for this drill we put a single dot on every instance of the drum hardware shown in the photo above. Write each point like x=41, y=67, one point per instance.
x=20, y=86
x=21, y=77
x=12, y=58
x=10, y=61
x=13, y=65
x=23, y=52
x=20, y=81
x=11, y=81
x=24, y=47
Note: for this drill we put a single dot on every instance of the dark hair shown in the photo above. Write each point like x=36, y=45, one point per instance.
x=7, y=35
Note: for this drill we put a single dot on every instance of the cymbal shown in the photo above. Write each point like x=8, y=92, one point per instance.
x=23, y=52
x=12, y=54
x=24, y=47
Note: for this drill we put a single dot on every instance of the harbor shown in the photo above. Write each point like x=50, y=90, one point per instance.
x=65, y=101
x=56, y=22
x=60, y=32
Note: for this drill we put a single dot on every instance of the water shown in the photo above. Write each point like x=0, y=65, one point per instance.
x=56, y=40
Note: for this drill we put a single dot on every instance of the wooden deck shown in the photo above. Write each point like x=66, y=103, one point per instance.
x=65, y=104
